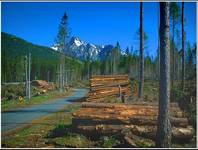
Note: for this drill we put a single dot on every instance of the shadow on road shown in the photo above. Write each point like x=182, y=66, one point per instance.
x=83, y=99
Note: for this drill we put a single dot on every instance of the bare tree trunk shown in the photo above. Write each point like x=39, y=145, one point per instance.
x=61, y=73
x=60, y=77
x=173, y=54
x=26, y=76
x=29, y=77
x=183, y=50
x=88, y=71
x=114, y=64
x=164, y=127
x=141, y=77
x=158, y=47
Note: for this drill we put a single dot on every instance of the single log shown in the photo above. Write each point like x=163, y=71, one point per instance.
x=183, y=134
x=126, y=111
x=107, y=94
x=110, y=82
x=104, y=86
x=118, y=75
x=178, y=133
x=108, y=89
x=106, y=81
x=95, y=77
x=137, y=120
x=136, y=141
x=127, y=108
x=103, y=99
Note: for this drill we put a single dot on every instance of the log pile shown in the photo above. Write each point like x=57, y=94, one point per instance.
x=41, y=87
x=42, y=84
x=135, y=123
x=108, y=86
x=139, y=120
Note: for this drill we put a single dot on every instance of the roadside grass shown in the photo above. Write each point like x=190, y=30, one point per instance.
x=36, y=135
x=7, y=105
x=53, y=131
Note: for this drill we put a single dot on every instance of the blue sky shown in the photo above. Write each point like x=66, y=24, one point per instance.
x=95, y=22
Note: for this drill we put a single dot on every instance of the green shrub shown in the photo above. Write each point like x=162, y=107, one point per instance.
x=177, y=93
x=109, y=142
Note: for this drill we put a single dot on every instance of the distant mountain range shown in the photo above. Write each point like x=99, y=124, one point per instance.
x=77, y=49
x=84, y=50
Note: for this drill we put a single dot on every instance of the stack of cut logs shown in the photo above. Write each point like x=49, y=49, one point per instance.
x=140, y=120
x=103, y=87
x=135, y=123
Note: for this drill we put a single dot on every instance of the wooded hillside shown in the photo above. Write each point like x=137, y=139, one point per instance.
x=44, y=59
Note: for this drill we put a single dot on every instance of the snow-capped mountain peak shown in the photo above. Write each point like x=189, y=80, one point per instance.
x=78, y=42
x=93, y=45
x=54, y=47
x=83, y=50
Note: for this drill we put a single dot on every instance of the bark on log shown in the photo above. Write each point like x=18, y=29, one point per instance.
x=178, y=133
x=108, y=93
x=126, y=112
x=137, y=141
x=119, y=120
x=124, y=106
x=101, y=80
x=109, y=89
x=95, y=77
x=124, y=109
x=103, y=99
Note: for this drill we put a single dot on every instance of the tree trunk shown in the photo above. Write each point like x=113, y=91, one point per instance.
x=158, y=66
x=173, y=54
x=141, y=77
x=183, y=50
x=61, y=72
x=164, y=127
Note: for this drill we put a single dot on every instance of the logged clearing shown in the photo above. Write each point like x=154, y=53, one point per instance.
x=99, y=116
x=107, y=123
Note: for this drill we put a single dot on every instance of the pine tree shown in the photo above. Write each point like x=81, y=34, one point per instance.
x=141, y=75
x=115, y=59
x=183, y=49
x=61, y=42
x=164, y=127
x=128, y=61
